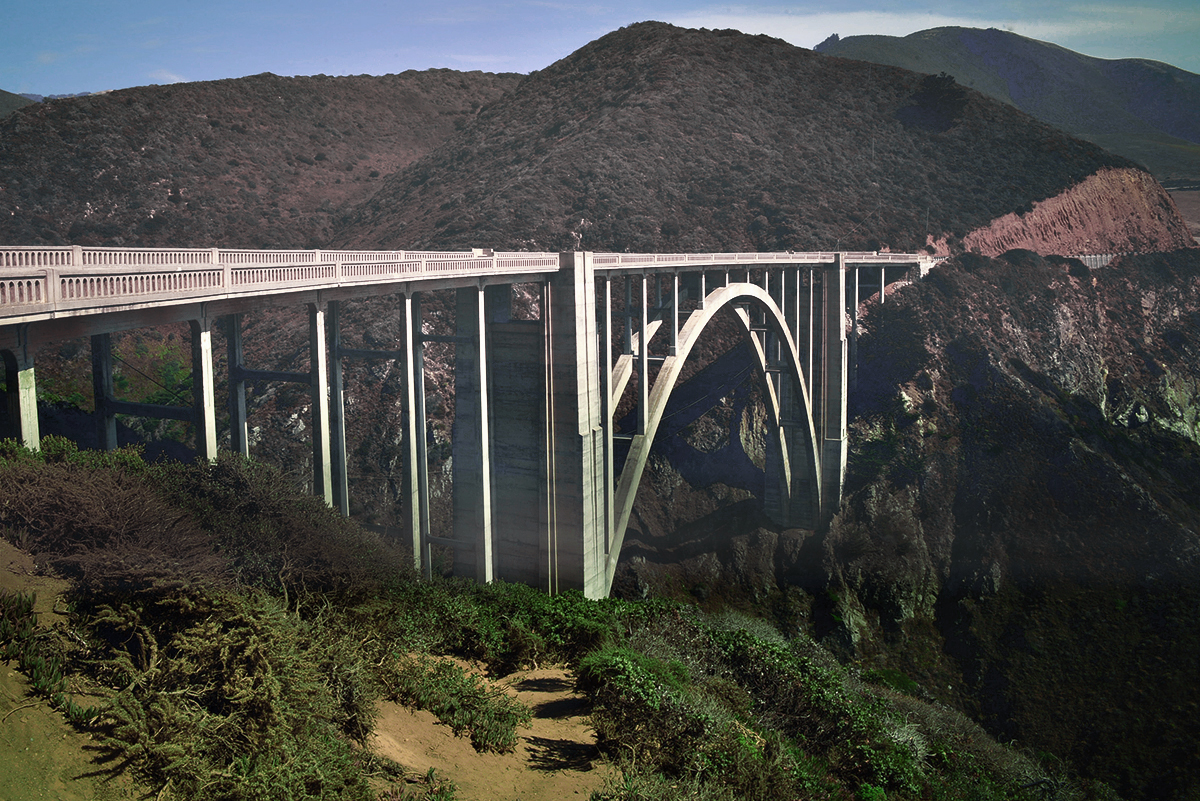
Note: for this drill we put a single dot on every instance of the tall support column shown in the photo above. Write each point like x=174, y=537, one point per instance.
x=21, y=391
x=337, y=444
x=809, y=338
x=204, y=390
x=319, y=381
x=102, y=392
x=239, y=430
x=852, y=366
x=607, y=402
x=575, y=446
x=472, y=441
x=674, y=312
x=833, y=432
x=882, y=284
x=643, y=362
x=416, y=476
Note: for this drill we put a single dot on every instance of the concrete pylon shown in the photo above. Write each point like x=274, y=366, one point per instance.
x=204, y=398
x=577, y=541
x=21, y=390
x=472, y=440
x=834, y=386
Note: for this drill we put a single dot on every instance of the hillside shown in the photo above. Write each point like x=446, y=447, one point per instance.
x=10, y=103
x=255, y=162
x=656, y=137
x=1145, y=110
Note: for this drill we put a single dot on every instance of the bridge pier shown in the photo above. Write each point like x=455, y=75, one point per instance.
x=20, y=389
x=833, y=424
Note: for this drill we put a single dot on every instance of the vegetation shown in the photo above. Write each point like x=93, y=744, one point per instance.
x=238, y=638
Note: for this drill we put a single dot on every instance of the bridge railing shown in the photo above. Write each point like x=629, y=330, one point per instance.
x=36, y=281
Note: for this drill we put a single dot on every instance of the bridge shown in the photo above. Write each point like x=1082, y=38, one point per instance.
x=540, y=494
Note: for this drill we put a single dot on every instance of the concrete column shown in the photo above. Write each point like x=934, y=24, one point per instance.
x=643, y=362
x=204, y=397
x=852, y=364
x=239, y=432
x=319, y=382
x=833, y=433
x=575, y=446
x=517, y=395
x=337, y=407
x=416, y=476
x=607, y=407
x=102, y=392
x=21, y=391
x=472, y=440
x=674, y=312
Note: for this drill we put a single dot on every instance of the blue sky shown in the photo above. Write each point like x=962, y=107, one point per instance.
x=67, y=46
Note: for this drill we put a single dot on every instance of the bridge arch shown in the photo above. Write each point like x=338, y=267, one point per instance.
x=789, y=412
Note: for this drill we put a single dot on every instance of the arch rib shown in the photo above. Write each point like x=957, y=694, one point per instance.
x=801, y=452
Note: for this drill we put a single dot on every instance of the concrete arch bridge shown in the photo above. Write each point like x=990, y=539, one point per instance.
x=539, y=496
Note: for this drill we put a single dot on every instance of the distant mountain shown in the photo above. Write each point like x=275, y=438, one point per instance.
x=261, y=161
x=662, y=138
x=1145, y=110
x=10, y=102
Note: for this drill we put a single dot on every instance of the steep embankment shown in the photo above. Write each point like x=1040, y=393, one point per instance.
x=1021, y=531
x=262, y=161
x=1145, y=110
x=656, y=137
x=1113, y=205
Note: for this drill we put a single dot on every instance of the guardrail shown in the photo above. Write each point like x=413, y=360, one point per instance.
x=36, y=281
x=45, y=280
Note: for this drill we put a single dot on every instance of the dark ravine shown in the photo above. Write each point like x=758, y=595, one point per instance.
x=1021, y=532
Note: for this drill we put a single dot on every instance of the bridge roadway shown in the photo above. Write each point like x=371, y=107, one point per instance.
x=538, y=496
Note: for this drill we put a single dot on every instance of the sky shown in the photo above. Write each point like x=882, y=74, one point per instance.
x=71, y=46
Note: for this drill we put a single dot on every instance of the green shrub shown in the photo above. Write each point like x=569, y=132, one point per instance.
x=465, y=702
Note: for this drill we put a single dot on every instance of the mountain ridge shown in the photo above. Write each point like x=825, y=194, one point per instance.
x=1146, y=110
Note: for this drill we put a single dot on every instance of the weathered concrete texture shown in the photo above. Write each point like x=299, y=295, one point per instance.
x=577, y=534
x=473, y=555
x=833, y=431
x=518, y=441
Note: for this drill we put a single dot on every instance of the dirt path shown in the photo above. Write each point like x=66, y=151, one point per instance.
x=556, y=758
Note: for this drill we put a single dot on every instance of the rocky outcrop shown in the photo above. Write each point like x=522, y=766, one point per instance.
x=1116, y=210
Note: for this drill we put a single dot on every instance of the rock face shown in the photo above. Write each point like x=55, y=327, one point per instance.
x=1113, y=211
x=1021, y=532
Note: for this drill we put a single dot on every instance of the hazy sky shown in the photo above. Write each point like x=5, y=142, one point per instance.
x=67, y=46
